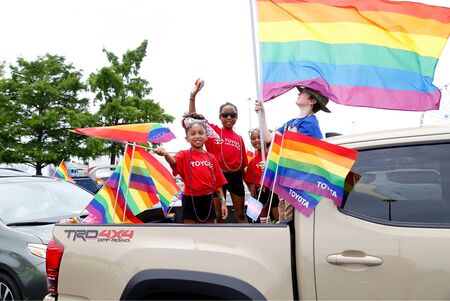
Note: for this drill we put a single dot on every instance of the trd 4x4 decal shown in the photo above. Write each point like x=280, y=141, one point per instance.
x=101, y=236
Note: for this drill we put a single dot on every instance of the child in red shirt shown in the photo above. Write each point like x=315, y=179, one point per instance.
x=229, y=149
x=200, y=172
x=253, y=177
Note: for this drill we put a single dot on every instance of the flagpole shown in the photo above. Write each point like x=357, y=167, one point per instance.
x=258, y=70
x=120, y=179
x=275, y=177
x=128, y=185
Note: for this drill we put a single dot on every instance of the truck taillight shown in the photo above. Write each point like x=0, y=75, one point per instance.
x=53, y=260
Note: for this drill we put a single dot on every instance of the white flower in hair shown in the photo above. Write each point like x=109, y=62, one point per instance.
x=210, y=133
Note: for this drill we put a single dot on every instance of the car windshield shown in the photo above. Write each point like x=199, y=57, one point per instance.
x=40, y=200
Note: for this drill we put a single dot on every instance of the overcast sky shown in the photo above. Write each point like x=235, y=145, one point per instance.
x=210, y=39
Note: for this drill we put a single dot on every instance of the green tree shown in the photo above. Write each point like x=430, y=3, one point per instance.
x=122, y=94
x=40, y=102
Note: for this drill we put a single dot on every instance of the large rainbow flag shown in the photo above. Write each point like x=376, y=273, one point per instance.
x=303, y=169
x=61, y=172
x=139, y=133
x=374, y=53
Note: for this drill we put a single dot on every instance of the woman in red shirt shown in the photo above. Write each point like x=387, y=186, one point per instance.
x=253, y=179
x=200, y=172
x=229, y=149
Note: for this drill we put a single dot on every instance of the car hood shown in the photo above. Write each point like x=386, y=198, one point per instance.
x=43, y=232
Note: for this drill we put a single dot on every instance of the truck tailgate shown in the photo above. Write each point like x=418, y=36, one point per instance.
x=99, y=260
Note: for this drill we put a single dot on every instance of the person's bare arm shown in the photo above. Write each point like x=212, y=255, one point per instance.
x=223, y=208
x=169, y=158
x=192, y=99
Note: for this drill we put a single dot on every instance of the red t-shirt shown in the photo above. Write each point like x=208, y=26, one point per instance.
x=202, y=177
x=255, y=170
x=230, y=147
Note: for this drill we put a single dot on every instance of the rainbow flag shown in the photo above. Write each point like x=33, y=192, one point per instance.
x=99, y=182
x=149, y=183
x=303, y=201
x=305, y=169
x=314, y=165
x=139, y=133
x=163, y=180
x=375, y=53
x=61, y=172
x=104, y=207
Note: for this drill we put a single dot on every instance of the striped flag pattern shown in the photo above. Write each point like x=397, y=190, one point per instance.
x=61, y=172
x=373, y=53
x=254, y=208
x=139, y=133
x=302, y=170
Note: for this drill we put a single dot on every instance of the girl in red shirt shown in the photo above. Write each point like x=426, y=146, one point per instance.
x=200, y=172
x=229, y=149
x=253, y=177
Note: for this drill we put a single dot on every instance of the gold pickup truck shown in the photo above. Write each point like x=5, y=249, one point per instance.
x=389, y=240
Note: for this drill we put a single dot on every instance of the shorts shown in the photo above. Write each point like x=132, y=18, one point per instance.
x=202, y=211
x=235, y=183
x=265, y=197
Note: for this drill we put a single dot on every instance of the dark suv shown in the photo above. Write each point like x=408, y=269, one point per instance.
x=29, y=207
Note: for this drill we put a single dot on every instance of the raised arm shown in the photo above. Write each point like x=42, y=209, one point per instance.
x=194, y=92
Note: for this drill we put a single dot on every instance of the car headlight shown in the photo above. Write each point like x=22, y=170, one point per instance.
x=38, y=250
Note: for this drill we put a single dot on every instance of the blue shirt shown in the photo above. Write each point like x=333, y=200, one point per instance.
x=308, y=125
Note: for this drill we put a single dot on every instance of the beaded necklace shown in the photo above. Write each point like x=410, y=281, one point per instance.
x=190, y=187
x=223, y=159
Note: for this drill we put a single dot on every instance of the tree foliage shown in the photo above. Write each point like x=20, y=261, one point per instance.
x=122, y=93
x=39, y=103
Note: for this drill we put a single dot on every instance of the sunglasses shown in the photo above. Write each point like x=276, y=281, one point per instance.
x=226, y=115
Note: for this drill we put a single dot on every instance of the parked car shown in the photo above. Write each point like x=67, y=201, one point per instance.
x=29, y=207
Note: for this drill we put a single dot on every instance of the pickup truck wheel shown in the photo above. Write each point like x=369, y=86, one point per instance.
x=8, y=288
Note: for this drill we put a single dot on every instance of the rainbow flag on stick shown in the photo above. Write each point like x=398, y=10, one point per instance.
x=104, y=206
x=303, y=201
x=314, y=165
x=139, y=133
x=149, y=183
x=144, y=183
x=302, y=169
x=375, y=53
x=61, y=172
x=163, y=180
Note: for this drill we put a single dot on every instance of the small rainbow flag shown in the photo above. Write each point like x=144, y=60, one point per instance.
x=149, y=183
x=61, y=172
x=144, y=183
x=314, y=165
x=99, y=182
x=376, y=53
x=139, y=133
x=104, y=207
x=303, y=201
x=306, y=169
x=163, y=180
